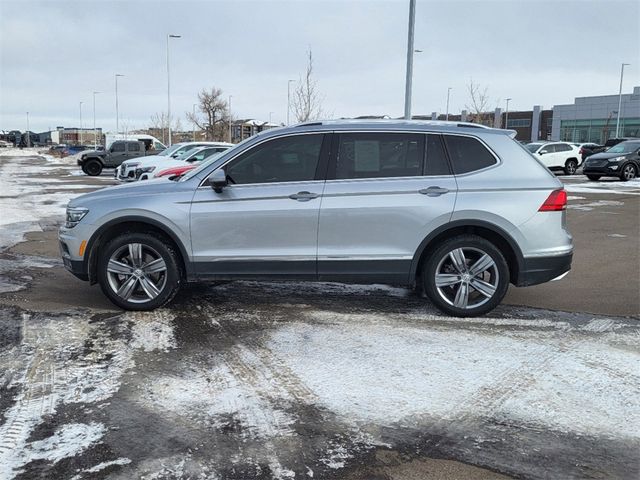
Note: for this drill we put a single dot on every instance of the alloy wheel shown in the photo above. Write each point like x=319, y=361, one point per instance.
x=136, y=273
x=629, y=172
x=466, y=278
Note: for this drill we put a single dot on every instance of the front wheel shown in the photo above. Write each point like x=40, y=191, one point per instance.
x=594, y=178
x=570, y=167
x=93, y=168
x=628, y=172
x=139, y=271
x=466, y=276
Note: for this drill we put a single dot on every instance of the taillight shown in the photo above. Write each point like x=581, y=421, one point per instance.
x=581, y=151
x=555, y=202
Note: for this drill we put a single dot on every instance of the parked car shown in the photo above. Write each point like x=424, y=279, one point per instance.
x=175, y=172
x=460, y=209
x=148, y=168
x=587, y=149
x=621, y=160
x=556, y=155
x=127, y=170
x=94, y=161
x=74, y=149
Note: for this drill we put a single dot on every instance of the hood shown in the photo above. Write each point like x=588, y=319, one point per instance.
x=606, y=155
x=142, y=159
x=148, y=187
x=100, y=153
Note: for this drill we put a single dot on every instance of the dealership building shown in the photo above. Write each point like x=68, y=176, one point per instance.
x=593, y=119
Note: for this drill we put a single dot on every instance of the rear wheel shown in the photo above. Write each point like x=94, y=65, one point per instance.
x=93, y=168
x=138, y=271
x=628, y=172
x=595, y=178
x=570, y=167
x=466, y=276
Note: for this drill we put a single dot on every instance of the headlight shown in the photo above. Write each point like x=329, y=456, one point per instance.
x=617, y=159
x=145, y=169
x=74, y=215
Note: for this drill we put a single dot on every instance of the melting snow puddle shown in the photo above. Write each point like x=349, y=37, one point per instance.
x=616, y=235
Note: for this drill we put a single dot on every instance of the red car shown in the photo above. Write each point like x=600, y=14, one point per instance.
x=175, y=171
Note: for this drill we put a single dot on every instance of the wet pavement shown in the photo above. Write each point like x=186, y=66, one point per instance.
x=259, y=380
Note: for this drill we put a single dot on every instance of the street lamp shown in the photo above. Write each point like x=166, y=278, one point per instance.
x=289, y=99
x=169, y=36
x=81, y=142
x=270, y=116
x=506, y=115
x=230, y=97
x=95, y=137
x=28, y=135
x=117, y=116
x=448, y=94
x=620, y=100
x=409, y=79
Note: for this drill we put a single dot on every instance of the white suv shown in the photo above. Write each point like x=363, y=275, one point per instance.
x=557, y=155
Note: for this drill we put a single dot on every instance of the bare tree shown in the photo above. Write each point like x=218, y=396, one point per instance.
x=160, y=125
x=307, y=101
x=212, y=116
x=479, y=103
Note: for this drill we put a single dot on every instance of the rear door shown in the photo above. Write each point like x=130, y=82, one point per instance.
x=385, y=192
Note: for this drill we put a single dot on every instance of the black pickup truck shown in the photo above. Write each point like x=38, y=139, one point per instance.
x=94, y=161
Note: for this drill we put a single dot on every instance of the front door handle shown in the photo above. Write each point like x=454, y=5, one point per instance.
x=303, y=196
x=433, y=191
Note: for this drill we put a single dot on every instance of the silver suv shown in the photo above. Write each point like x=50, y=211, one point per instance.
x=456, y=209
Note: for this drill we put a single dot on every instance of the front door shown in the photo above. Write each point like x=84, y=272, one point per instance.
x=265, y=222
x=380, y=201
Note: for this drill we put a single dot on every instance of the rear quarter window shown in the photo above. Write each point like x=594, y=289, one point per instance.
x=468, y=154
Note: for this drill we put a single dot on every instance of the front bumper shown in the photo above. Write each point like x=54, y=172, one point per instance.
x=70, y=245
x=602, y=168
x=539, y=270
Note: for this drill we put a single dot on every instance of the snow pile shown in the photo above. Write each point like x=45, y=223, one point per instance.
x=606, y=185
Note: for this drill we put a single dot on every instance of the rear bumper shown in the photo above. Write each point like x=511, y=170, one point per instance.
x=543, y=269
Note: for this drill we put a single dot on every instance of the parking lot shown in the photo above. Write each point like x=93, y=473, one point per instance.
x=244, y=380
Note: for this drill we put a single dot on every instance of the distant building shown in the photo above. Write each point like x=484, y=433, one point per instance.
x=71, y=136
x=241, y=129
x=593, y=119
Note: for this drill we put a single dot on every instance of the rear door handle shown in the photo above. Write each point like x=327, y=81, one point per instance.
x=303, y=196
x=433, y=191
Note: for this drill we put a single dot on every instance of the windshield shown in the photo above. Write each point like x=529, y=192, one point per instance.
x=208, y=161
x=532, y=147
x=170, y=150
x=624, y=147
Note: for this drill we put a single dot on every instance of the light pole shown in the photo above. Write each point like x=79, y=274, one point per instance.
x=270, y=116
x=620, y=100
x=506, y=115
x=95, y=136
x=194, y=122
x=230, y=97
x=448, y=95
x=407, y=90
x=117, y=116
x=289, y=99
x=169, y=36
x=81, y=141
x=28, y=135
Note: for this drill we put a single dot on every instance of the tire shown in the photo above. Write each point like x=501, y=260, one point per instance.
x=570, y=167
x=92, y=168
x=448, y=295
x=128, y=277
x=594, y=178
x=628, y=172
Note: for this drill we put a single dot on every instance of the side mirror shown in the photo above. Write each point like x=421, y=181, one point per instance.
x=218, y=180
x=542, y=152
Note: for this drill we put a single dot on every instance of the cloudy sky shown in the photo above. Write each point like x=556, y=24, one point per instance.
x=54, y=54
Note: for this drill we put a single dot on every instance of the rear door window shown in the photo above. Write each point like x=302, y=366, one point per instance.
x=563, y=147
x=379, y=155
x=134, y=146
x=468, y=154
